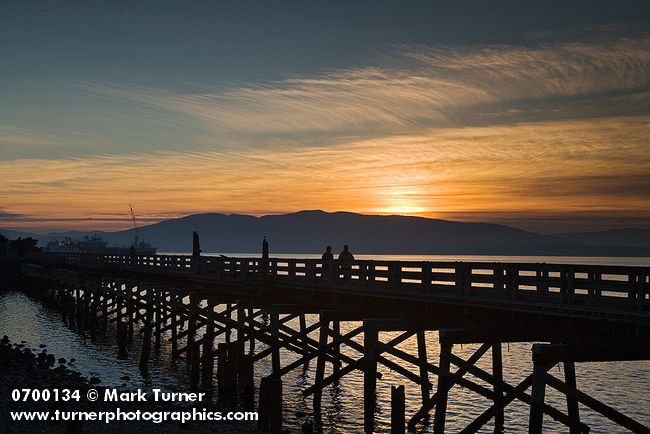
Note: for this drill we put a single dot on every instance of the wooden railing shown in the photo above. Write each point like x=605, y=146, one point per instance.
x=617, y=287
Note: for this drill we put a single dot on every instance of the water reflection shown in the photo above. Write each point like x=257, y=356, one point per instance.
x=623, y=385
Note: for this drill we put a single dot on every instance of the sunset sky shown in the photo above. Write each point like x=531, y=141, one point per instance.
x=532, y=114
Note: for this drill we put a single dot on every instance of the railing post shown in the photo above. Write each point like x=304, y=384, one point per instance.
x=567, y=289
x=632, y=289
x=463, y=278
x=310, y=270
x=543, y=286
x=642, y=289
x=426, y=276
x=244, y=269
x=394, y=275
x=512, y=275
x=370, y=271
x=363, y=273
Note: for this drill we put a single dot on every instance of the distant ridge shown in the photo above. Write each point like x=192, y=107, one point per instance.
x=634, y=237
x=310, y=231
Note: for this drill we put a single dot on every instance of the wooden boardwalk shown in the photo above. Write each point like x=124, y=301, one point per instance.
x=581, y=312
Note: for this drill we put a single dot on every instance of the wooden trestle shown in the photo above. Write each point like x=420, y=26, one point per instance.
x=251, y=304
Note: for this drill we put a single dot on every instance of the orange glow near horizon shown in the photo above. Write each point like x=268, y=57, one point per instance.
x=537, y=168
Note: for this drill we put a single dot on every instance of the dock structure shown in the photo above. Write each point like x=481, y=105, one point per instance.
x=574, y=313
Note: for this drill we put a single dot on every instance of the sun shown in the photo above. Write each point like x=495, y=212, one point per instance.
x=402, y=200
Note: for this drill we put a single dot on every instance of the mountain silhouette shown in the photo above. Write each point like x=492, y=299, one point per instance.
x=311, y=231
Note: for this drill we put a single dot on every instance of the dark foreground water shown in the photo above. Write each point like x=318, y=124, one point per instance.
x=622, y=385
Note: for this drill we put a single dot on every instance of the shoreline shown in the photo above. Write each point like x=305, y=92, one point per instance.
x=26, y=368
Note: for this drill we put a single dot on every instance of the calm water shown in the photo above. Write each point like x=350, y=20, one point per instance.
x=622, y=385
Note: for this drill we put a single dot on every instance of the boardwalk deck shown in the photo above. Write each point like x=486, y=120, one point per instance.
x=595, y=312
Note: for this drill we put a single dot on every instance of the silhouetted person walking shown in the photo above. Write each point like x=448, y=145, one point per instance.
x=345, y=260
x=328, y=259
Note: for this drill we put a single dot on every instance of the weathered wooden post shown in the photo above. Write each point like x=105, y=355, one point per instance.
x=158, y=308
x=174, y=325
x=264, y=263
x=572, y=405
x=336, y=353
x=79, y=309
x=394, y=277
x=64, y=307
x=537, y=393
x=251, y=330
x=497, y=373
x=195, y=366
x=270, y=405
x=207, y=364
x=369, y=378
x=222, y=370
x=228, y=326
x=303, y=331
x=241, y=323
x=443, y=386
x=397, y=408
x=263, y=405
x=196, y=245
x=320, y=363
x=275, y=338
x=191, y=327
x=196, y=253
x=208, y=342
x=424, y=373
x=246, y=382
x=130, y=311
x=146, y=339
x=230, y=373
x=122, y=338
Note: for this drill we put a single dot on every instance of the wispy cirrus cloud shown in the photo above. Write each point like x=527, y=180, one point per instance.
x=416, y=87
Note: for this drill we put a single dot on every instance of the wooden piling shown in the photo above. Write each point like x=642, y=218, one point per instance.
x=79, y=309
x=122, y=338
x=228, y=326
x=195, y=365
x=105, y=299
x=537, y=400
x=336, y=352
x=270, y=405
x=497, y=373
x=320, y=364
x=275, y=338
x=128, y=299
x=245, y=381
x=443, y=387
x=303, y=327
x=222, y=370
x=424, y=373
x=208, y=342
x=158, y=309
x=572, y=404
x=397, y=409
x=230, y=372
x=174, y=326
x=251, y=330
x=369, y=378
x=191, y=327
x=146, y=338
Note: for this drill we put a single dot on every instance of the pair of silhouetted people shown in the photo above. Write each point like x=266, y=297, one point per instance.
x=345, y=261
